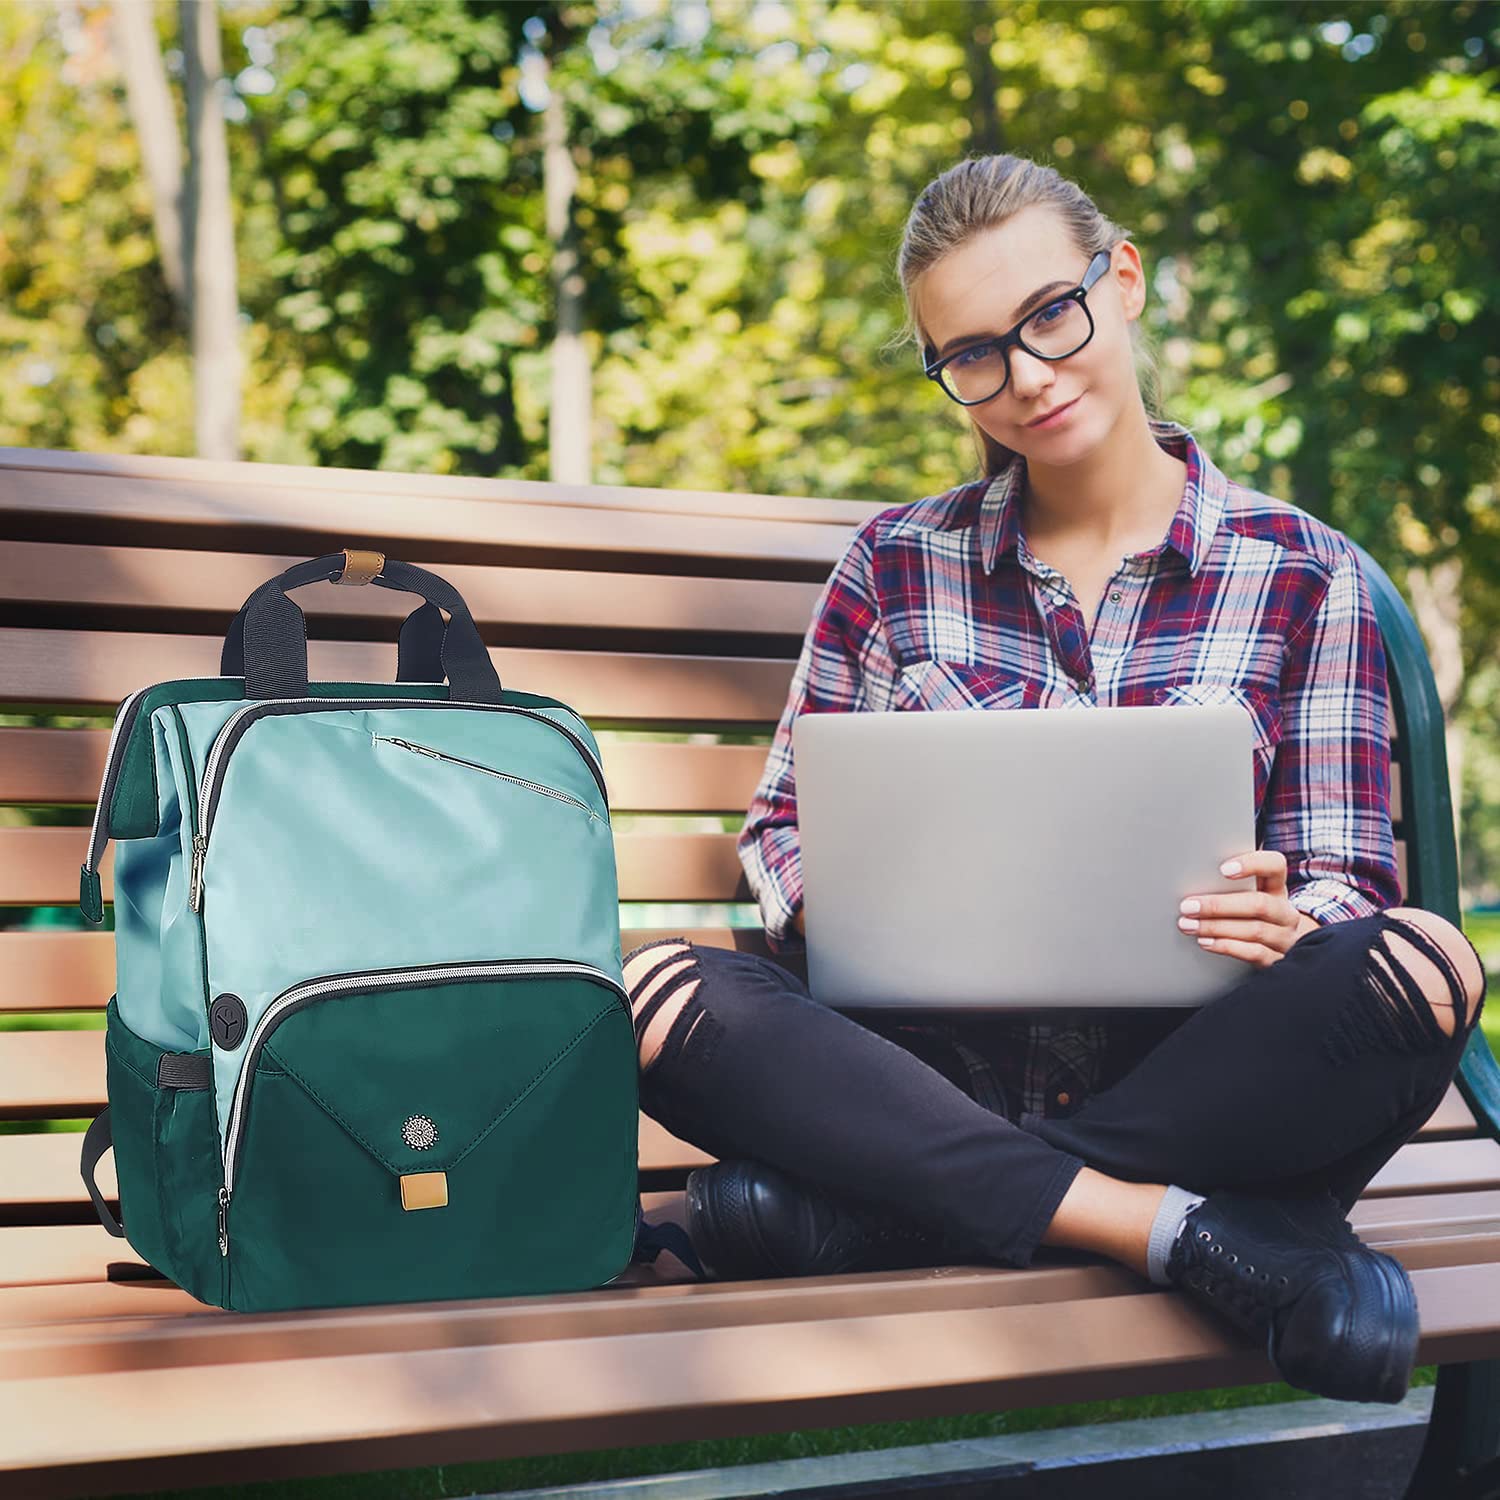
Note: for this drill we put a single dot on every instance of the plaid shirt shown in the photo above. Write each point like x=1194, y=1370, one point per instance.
x=940, y=604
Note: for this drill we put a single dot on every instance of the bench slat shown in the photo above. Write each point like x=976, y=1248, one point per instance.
x=40, y=866
x=641, y=689
x=34, y=1255
x=551, y=532
x=471, y=1401
x=41, y=971
x=67, y=765
x=149, y=489
x=110, y=587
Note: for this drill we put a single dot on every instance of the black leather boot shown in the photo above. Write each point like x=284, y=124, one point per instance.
x=1339, y=1318
x=747, y=1219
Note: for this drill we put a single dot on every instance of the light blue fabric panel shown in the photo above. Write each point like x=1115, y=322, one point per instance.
x=158, y=973
x=333, y=853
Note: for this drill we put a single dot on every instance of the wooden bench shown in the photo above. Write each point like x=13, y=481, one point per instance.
x=645, y=610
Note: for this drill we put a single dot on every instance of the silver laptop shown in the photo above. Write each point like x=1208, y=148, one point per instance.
x=1025, y=859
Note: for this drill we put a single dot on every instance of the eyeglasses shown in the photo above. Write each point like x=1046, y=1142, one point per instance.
x=1062, y=327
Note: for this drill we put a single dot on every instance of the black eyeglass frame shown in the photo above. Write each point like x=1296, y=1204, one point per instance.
x=1006, y=341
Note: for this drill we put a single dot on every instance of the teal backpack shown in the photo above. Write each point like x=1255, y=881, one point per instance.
x=370, y=1040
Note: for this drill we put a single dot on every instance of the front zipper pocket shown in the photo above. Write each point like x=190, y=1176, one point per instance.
x=232, y=734
x=474, y=765
x=442, y=1131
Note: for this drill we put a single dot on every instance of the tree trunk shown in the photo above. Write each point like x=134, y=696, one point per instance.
x=210, y=238
x=570, y=419
x=985, y=134
x=1436, y=596
x=151, y=112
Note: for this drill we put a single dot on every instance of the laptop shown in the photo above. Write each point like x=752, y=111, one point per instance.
x=977, y=861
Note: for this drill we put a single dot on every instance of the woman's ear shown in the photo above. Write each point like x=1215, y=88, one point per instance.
x=1130, y=275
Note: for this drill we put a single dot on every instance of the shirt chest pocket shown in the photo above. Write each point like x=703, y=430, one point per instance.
x=960, y=684
x=1263, y=709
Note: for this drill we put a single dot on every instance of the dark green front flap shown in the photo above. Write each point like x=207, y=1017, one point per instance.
x=461, y=1055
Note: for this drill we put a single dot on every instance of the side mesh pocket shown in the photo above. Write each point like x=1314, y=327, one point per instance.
x=166, y=1155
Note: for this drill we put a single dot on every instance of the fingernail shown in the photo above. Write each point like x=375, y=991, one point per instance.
x=1188, y=924
x=1205, y=942
x=1230, y=867
x=1189, y=905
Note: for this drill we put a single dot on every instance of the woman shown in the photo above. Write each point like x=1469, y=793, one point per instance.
x=1102, y=558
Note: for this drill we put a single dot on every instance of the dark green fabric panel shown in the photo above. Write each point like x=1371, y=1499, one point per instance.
x=167, y=1162
x=532, y=1085
x=132, y=808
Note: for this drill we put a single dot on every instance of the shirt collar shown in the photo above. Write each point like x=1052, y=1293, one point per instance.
x=1192, y=530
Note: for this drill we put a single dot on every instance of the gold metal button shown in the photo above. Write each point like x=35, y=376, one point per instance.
x=424, y=1190
x=1064, y=1097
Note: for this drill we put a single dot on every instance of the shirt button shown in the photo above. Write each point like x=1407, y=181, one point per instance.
x=1064, y=1097
x=1114, y=598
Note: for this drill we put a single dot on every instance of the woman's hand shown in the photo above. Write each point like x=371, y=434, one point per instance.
x=1257, y=926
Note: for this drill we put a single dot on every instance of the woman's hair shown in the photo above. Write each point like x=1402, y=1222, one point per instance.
x=979, y=193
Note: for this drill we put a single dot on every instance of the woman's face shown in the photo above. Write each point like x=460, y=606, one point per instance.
x=986, y=286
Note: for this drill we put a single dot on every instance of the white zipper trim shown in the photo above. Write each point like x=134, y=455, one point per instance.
x=474, y=765
x=372, y=979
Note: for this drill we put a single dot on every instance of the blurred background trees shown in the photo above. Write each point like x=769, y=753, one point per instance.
x=653, y=243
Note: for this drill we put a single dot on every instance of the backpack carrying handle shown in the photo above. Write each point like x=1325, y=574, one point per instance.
x=269, y=635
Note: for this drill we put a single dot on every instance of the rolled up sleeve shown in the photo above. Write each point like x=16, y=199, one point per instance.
x=1328, y=801
x=843, y=650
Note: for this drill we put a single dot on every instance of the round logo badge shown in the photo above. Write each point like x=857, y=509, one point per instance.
x=227, y=1021
x=419, y=1132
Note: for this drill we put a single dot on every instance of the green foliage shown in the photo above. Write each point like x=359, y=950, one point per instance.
x=1310, y=186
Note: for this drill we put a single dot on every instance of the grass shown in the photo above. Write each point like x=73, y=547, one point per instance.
x=452, y=1480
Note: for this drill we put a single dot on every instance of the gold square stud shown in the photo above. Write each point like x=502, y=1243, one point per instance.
x=424, y=1190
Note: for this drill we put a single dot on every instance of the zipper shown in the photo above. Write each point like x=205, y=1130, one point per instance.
x=369, y=981
x=114, y=758
x=473, y=765
x=239, y=722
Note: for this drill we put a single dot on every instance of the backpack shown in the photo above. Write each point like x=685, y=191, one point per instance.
x=370, y=1039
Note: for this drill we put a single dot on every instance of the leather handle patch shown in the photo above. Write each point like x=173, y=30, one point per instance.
x=424, y=1190
x=360, y=567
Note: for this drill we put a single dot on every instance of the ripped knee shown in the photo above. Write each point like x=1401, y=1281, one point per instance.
x=663, y=998
x=1390, y=1008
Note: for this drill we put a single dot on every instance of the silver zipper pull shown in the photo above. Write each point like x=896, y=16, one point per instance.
x=223, y=1221
x=195, y=883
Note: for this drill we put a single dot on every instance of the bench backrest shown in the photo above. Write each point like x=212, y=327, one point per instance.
x=646, y=610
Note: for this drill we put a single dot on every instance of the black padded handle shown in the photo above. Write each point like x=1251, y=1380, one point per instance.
x=273, y=633
x=419, y=653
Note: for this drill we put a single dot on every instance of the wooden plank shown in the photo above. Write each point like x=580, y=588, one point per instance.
x=39, y=866
x=52, y=765
x=300, y=491
x=1437, y=1167
x=56, y=970
x=67, y=765
x=426, y=519
x=1452, y=1117
x=634, y=689
x=42, y=971
x=477, y=1398
x=56, y=1074
x=104, y=586
x=39, y=1172
x=143, y=1325
x=75, y=1255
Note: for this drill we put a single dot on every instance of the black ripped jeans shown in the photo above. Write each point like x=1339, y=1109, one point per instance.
x=1310, y=1074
